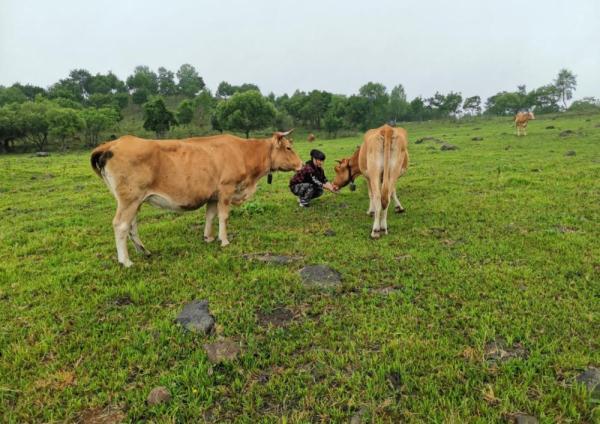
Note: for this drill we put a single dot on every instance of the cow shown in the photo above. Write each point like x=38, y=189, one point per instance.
x=184, y=175
x=311, y=137
x=521, y=120
x=381, y=159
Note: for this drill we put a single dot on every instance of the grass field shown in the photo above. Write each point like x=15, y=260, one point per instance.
x=499, y=246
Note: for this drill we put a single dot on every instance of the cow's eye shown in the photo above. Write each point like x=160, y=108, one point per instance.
x=289, y=148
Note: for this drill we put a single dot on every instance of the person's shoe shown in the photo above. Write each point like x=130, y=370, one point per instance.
x=303, y=205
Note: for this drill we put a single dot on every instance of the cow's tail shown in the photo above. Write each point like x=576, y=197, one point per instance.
x=387, y=133
x=100, y=156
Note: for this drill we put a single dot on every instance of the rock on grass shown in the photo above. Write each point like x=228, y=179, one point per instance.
x=320, y=276
x=226, y=350
x=448, y=146
x=196, y=317
x=158, y=395
x=591, y=379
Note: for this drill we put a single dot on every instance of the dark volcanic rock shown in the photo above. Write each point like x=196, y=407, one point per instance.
x=566, y=133
x=320, y=275
x=550, y=127
x=499, y=351
x=570, y=153
x=591, y=379
x=329, y=232
x=448, y=146
x=477, y=139
x=196, y=318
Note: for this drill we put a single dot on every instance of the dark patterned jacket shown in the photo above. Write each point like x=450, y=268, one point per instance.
x=309, y=174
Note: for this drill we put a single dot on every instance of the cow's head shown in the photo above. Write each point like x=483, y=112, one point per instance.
x=283, y=156
x=530, y=115
x=343, y=173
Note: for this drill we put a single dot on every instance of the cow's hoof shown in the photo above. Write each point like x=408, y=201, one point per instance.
x=127, y=263
x=375, y=234
x=224, y=243
x=383, y=231
x=209, y=239
x=399, y=209
x=371, y=213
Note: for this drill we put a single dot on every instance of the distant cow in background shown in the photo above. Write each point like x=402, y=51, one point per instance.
x=381, y=159
x=521, y=120
x=311, y=137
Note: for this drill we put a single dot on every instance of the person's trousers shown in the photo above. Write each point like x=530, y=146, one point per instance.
x=306, y=192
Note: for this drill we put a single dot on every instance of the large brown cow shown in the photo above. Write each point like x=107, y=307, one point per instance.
x=521, y=120
x=183, y=175
x=311, y=137
x=381, y=159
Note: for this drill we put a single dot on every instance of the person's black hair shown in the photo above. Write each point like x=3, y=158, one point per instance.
x=317, y=154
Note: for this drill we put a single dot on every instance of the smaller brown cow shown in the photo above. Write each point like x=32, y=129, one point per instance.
x=381, y=159
x=311, y=137
x=521, y=120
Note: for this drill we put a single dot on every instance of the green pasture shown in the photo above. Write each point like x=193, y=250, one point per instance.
x=499, y=246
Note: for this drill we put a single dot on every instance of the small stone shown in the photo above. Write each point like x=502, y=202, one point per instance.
x=388, y=290
x=196, y=317
x=358, y=418
x=570, y=153
x=218, y=352
x=329, y=232
x=320, y=275
x=158, y=395
x=448, y=146
x=550, y=127
x=477, y=139
x=591, y=379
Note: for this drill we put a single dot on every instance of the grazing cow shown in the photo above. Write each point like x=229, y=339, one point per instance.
x=521, y=120
x=183, y=175
x=311, y=137
x=381, y=159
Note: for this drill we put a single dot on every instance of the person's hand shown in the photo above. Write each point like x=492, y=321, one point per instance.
x=330, y=187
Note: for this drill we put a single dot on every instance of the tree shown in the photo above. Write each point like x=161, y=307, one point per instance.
x=143, y=82
x=185, y=111
x=96, y=121
x=224, y=90
x=587, y=104
x=30, y=91
x=416, y=109
x=10, y=95
x=245, y=111
x=451, y=104
x=357, y=110
x=63, y=123
x=157, y=117
x=472, y=105
x=10, y=126
x=504, y=103
x=314, y=107
x=377, y=101
x=166, y=82
x=398, y=103
x=545, y=99
x=565, y=83
x=332, y=123
x=189, y=82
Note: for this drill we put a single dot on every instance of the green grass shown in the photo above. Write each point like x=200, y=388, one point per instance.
x=500, y=240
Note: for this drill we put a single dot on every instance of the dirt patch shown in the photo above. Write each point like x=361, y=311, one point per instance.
x=278, y=317
x=433, y=139
x=226, y=350
x=271, y=258
x=566, y=133
x=498, y=350
x=320, y=276
x=112, y=414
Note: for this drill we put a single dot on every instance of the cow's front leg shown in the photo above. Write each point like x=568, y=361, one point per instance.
x=223, y=211
x=211, y=212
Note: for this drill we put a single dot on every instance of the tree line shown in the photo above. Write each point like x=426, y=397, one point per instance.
x=83, y=106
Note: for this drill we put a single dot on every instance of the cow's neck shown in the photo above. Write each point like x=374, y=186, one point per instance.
x=354, y=166
x=262, y=151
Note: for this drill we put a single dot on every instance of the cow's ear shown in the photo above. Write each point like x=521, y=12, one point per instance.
x=338, y=161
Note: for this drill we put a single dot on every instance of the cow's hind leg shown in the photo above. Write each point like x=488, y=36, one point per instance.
x=135, y=238
x=211, y=212
x=375, y=196
x=398, y=208
x=223, y=212
x=122, y=224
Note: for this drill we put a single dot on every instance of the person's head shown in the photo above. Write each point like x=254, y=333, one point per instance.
x=318, y=157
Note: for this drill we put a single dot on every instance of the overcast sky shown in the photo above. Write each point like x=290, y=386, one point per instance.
x=471, y=46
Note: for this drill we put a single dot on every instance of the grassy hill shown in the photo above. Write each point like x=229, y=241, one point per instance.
x=481, y=303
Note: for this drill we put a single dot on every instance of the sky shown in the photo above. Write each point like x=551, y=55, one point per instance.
x=474, y=47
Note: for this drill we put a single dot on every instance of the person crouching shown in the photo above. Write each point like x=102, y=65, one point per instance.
x=309, y=182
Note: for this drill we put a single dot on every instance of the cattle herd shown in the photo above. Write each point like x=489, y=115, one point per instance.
x=224, y=170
